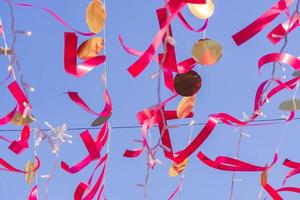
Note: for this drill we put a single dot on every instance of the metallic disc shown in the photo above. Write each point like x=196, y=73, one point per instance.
x=5, y=51
x=202, y=11
x=296, y=73
x=100, y=120
x=95, y=16
x=177, y=169
x=185, y=106
x=290, y=105
x=20, y=121
x=90, y=48
x=187, y=84
x=207, y=52
x=30, y=173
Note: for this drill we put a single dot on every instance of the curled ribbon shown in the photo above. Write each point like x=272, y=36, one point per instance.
x=232, y=164
x=53, y=14
x=19, y=146
x=260, y=23
x=70, y=58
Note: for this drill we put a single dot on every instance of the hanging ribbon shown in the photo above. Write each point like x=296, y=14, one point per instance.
x=260, y=23
x=280, y=31
x=19, y=146
x=19, y=96
x=70, y=58
x=33, y=193
x=74, y=96
x=232, y=164
x=55, y=16
x=94, y=150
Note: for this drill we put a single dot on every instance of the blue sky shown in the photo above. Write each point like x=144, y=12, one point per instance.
x=229, y=86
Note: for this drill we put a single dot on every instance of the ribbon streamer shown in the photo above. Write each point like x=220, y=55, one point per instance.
x=55, y=16
x=19, y=146
x=99, y=143
x=70, y=58
x=33, y=193
x=19, y=96
x=232, y=164
x=260, y=23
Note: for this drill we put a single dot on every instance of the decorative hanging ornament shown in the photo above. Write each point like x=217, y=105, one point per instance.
x=30, y=172
x=177, y=169
x=202, y=11
x=95, y=16
x=296, y=73
x=187, y=84
x=185, y=106
x=6, y=51
x=290, y=105
x=19, y=120
x=90, y=48
x=207, y=52
x=100, y=120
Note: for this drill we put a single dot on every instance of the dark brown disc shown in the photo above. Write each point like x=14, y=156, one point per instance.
x=187, y=84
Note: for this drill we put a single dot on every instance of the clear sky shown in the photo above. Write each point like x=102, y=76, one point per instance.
x=229, y=86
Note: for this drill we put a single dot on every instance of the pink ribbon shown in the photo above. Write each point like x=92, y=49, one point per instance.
x=260, y=23
x=19, y=95
x=232, y=164
x=33, y=193
x=19, y=146
x=70, y=58
x=74, y=96
x=280, y=31
x=94, y=150
x=55, y=16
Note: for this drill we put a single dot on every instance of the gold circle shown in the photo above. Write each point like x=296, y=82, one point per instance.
x=95, y=16
x=207, y=52
x=90, y=48
x=202, y=11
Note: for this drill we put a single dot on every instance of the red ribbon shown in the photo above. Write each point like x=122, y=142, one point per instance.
x=70, y=58
x=19, y=146
x=232, y=164
x=83, y=187
x=260, y=23
x=6, y=119
x=295, y=169
x=94, y=150
x=74, y=96
x=8, y=167
x=174, y=6
x=58, y=18
x=19, y=95
x=280, y=31
x=33, y=193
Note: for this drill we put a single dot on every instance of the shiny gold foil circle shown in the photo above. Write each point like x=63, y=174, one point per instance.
x=290, y=105
x=202, y=11
x=177, y=169
x=187, y=84
x=95, y=16
x=20, y=121
x=30, y=173
x=207, y=52
x=185, y=106
x=100, y=120
x=90, y=48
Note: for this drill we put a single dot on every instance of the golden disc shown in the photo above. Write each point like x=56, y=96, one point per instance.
x=100, y=120
x=19, y=120
x=95, y=16
x=207, y=52
x=177, y=169
x=30, y=173
x=290, y=105
x=90, y=48
x=185, y=106
x=202, y=11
